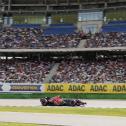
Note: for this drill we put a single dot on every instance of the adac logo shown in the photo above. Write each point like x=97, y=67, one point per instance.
x=6, y=87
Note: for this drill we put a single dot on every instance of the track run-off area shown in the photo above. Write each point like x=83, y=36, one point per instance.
x=63, y=119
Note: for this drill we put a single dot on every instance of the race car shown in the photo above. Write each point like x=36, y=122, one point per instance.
x=47, y=101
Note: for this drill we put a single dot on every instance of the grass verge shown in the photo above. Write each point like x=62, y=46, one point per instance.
x=69, y=110
x=19, y=124
x=64, y=95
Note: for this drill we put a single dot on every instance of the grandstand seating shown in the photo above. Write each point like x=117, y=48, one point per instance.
x=117, y=22
x=72, y=70
x=26, y=25
x=105, y=39
x=79, y=70
x=91, y=71
x=59, y=25
x=34, y=38
x=24, y=70
x=115, y=26
x=60, y=29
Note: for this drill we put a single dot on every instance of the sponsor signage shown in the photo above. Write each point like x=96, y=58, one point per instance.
x=25, y=88
x=7, y=87
x=85, y=88
x=64, y=88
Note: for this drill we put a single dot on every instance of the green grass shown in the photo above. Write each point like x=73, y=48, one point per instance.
x=64, y=95
x=19, y=124
x=70, y=110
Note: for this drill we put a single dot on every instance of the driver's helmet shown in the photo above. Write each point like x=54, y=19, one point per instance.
x=77, y=100
x=59, y=96
x=47, y=98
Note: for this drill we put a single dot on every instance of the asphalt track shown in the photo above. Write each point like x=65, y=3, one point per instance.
x=90, y=103
x=63, y=119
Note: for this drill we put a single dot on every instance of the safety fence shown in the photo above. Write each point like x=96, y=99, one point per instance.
x=64, y=88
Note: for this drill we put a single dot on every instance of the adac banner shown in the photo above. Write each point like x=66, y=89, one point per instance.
x=85, y=88
x=7, y=87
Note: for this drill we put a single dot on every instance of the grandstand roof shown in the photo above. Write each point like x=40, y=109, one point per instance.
x=43, y=6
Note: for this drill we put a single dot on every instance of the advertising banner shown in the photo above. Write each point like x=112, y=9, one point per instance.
x=7, y=87
x=85, y=88
x=64, y=88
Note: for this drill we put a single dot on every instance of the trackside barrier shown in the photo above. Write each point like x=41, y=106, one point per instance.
x=15, y=87
x=85, y=88
x=64, y=88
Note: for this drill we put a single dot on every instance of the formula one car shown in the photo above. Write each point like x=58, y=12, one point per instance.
x=66, y=102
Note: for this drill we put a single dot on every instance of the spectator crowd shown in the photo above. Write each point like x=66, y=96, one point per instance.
x=69, y=71
x=113, y=39
x=61, y=41
x=99, y=71
x=19, y=37
x=104, y=70
x=24, y=71
x=33, y=38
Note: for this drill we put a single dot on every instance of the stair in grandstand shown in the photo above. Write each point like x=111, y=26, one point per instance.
x=82, y=43
x=51, y=73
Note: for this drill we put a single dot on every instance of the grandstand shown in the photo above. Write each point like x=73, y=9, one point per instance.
x=115, y=26
x=62, y=41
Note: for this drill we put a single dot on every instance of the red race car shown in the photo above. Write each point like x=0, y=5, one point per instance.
x=58, y=101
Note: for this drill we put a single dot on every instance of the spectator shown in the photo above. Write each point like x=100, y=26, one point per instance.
x=114, y=39
x=99, y=71
x=33, y=38
x=24, y=71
